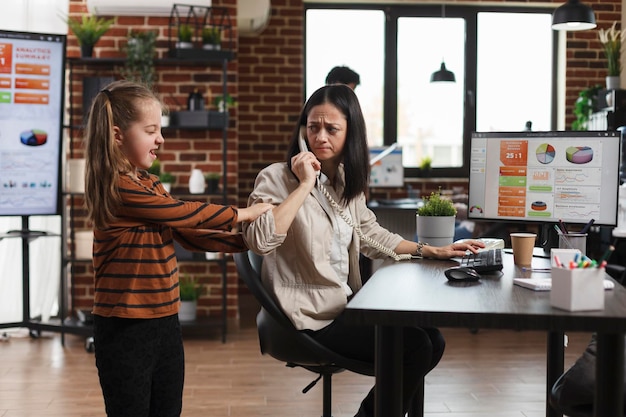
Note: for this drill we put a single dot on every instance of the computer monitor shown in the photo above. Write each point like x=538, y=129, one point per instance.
x=32, y=80
x=543, y=177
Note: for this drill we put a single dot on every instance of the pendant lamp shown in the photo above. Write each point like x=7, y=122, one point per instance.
x=442, y=74
x=573, y=15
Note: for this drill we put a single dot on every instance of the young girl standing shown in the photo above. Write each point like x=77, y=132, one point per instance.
x=138, y=342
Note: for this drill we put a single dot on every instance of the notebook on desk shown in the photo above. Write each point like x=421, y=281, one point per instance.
x=545, y=284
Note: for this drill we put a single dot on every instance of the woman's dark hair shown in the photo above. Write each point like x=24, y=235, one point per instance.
x=355, y=155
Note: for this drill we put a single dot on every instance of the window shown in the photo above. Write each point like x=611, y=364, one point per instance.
x=361, y=48
x=504, y=73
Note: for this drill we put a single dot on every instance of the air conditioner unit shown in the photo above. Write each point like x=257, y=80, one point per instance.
x=136, y=7
x=252, y=16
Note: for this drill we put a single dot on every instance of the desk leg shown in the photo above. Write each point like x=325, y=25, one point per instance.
x=554, y=366
x=609, y=400
x=388, y=369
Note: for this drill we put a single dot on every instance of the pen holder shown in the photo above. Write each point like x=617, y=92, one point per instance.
x=573, y=241
x=578, y=289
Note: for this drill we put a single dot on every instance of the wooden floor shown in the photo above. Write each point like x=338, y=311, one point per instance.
x=487, y=374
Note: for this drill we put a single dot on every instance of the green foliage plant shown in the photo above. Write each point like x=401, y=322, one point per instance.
x=185, y=32
x=426, y=163
x=164, y=177
x=190, y=288
x=584, y=106
x=140, y=53
x=88, y=29
x=211, y=35
x=435, y=205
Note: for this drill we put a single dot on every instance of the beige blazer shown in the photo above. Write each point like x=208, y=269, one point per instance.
x=296, y=265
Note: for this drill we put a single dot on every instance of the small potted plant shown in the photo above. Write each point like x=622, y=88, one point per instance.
x=185, y=36
x=426, y=165
x=190, y=291
x=211, y=37
x=88, y=30
x=140, y=52
x=166, y=178
x=435, y=221
x=212, y=182
x=223, y=104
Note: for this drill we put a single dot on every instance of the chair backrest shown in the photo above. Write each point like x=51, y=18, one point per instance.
x=277, y=335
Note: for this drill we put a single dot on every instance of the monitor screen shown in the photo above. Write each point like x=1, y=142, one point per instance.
x=571, y=176
x=32, y=80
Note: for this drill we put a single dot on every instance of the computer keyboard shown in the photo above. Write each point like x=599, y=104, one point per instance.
x=484, y=261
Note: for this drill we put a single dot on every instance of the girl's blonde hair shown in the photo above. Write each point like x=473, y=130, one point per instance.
x=118, y=104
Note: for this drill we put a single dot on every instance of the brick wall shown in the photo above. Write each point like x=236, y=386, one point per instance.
x=266, y=78
x=183, y=149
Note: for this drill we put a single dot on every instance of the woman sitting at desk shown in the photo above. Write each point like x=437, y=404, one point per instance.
x=311, y=253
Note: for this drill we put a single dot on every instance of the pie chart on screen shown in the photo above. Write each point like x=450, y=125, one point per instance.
x=579, y=154
x=34, y=137
x=545, y=153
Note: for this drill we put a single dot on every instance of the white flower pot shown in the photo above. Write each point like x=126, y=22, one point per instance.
x=187, y=311
x=435, y=230
x=612, y=82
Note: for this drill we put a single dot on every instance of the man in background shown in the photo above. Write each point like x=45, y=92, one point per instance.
x=343, y=75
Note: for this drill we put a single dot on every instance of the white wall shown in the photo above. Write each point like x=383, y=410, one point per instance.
x=44, y=16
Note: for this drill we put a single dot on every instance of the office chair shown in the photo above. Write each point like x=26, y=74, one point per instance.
x=280, y=339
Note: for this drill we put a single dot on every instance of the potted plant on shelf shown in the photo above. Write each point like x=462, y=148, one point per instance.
x=190, y=291
x=212, y=182
x=223, y=104
x=185, y=36
x=435, y=220
x=425, y=166
x=211, y=37
x=88, y=30
x=140, y=52
x=611, y=40
x=166, y=178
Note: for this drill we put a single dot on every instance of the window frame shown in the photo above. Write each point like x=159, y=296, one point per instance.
x=470, y=14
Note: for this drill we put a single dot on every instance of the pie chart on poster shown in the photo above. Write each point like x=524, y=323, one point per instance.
x=579, y=154
x=545, y=153
x=34, y=137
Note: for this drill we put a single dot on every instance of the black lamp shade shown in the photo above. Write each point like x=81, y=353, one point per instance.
x=442, y=75
x=573, y=15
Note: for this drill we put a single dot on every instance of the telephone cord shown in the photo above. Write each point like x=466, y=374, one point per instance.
x=377, y=245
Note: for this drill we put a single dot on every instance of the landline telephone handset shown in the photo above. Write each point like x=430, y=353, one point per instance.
x=376, y=245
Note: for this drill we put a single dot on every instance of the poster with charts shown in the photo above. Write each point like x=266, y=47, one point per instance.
x=32, y=74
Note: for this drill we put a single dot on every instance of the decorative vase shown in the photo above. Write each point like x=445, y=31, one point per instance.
x=435, y=230
x=612, y=82
x=188, y=310
x=196, y=182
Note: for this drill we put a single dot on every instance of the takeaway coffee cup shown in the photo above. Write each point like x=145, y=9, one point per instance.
x=523, y=244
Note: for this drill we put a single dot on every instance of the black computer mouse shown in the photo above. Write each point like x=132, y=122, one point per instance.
x=462, y=274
